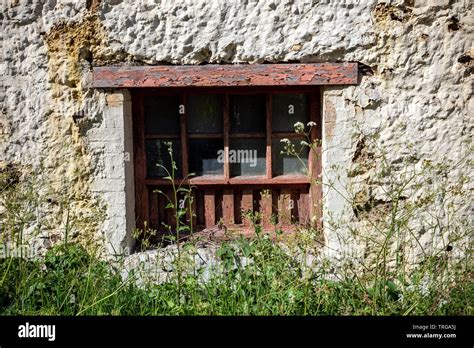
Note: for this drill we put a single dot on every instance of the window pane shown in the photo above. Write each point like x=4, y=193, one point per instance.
x=247, y=157
x=203, y=156
x=287, y=109
x=157, y=153
x=289, y=164
x=161, y=114
x=247, y=113
x=204, y=114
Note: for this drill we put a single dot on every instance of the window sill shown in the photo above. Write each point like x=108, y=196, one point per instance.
x=210, y=180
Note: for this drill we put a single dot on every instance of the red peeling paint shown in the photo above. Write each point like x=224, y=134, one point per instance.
x=225, y=75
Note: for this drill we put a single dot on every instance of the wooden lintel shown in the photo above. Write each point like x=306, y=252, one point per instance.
x=215, y=75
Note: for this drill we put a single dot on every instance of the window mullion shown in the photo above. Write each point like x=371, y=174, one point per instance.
x=314, y=159
x=268, y=159
x=226, y=136
x=184, y=136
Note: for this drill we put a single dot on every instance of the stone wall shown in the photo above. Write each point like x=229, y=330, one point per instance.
x=412, y=107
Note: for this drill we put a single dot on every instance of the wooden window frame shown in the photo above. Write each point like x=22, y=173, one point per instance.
x=244, y=78
x=142, y=181
x=138, y=97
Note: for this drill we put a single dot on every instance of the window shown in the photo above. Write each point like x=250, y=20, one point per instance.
x=208, y=108
x=227, y=143
x=201, y=126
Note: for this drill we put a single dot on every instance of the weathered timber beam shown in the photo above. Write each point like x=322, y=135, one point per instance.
x=225, y=75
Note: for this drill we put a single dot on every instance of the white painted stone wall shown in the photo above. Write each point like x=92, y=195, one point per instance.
x=415, y=89
x=115, y=184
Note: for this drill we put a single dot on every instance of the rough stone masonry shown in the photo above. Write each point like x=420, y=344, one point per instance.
x=410, y=117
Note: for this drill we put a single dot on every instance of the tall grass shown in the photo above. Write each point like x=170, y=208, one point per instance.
x=261, y=276
x=70, y=281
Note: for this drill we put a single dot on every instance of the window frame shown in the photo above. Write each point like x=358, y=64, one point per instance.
x=284, y=182
x=138, y=97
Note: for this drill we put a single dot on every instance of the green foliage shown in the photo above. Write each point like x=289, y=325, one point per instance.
x=258, y=278
x=254, y=277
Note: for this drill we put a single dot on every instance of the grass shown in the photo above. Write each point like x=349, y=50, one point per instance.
x=73, y=280
x=70, y=281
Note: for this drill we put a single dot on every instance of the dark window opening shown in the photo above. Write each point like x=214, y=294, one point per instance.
x=227, y=143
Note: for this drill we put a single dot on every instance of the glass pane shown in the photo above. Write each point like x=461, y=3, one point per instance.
x=247, y=157
x=161, y=115
x=204, y=155
x=204, y=114
x=289, y=164
x=157, y=153
x=247, y=113
x=287, y=109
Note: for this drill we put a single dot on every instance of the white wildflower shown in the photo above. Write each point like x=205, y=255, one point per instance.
x=291, y=296
x=285, y=140
x=304, y=143
x=425, y=285
x=299, y=127
x=311, y=124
